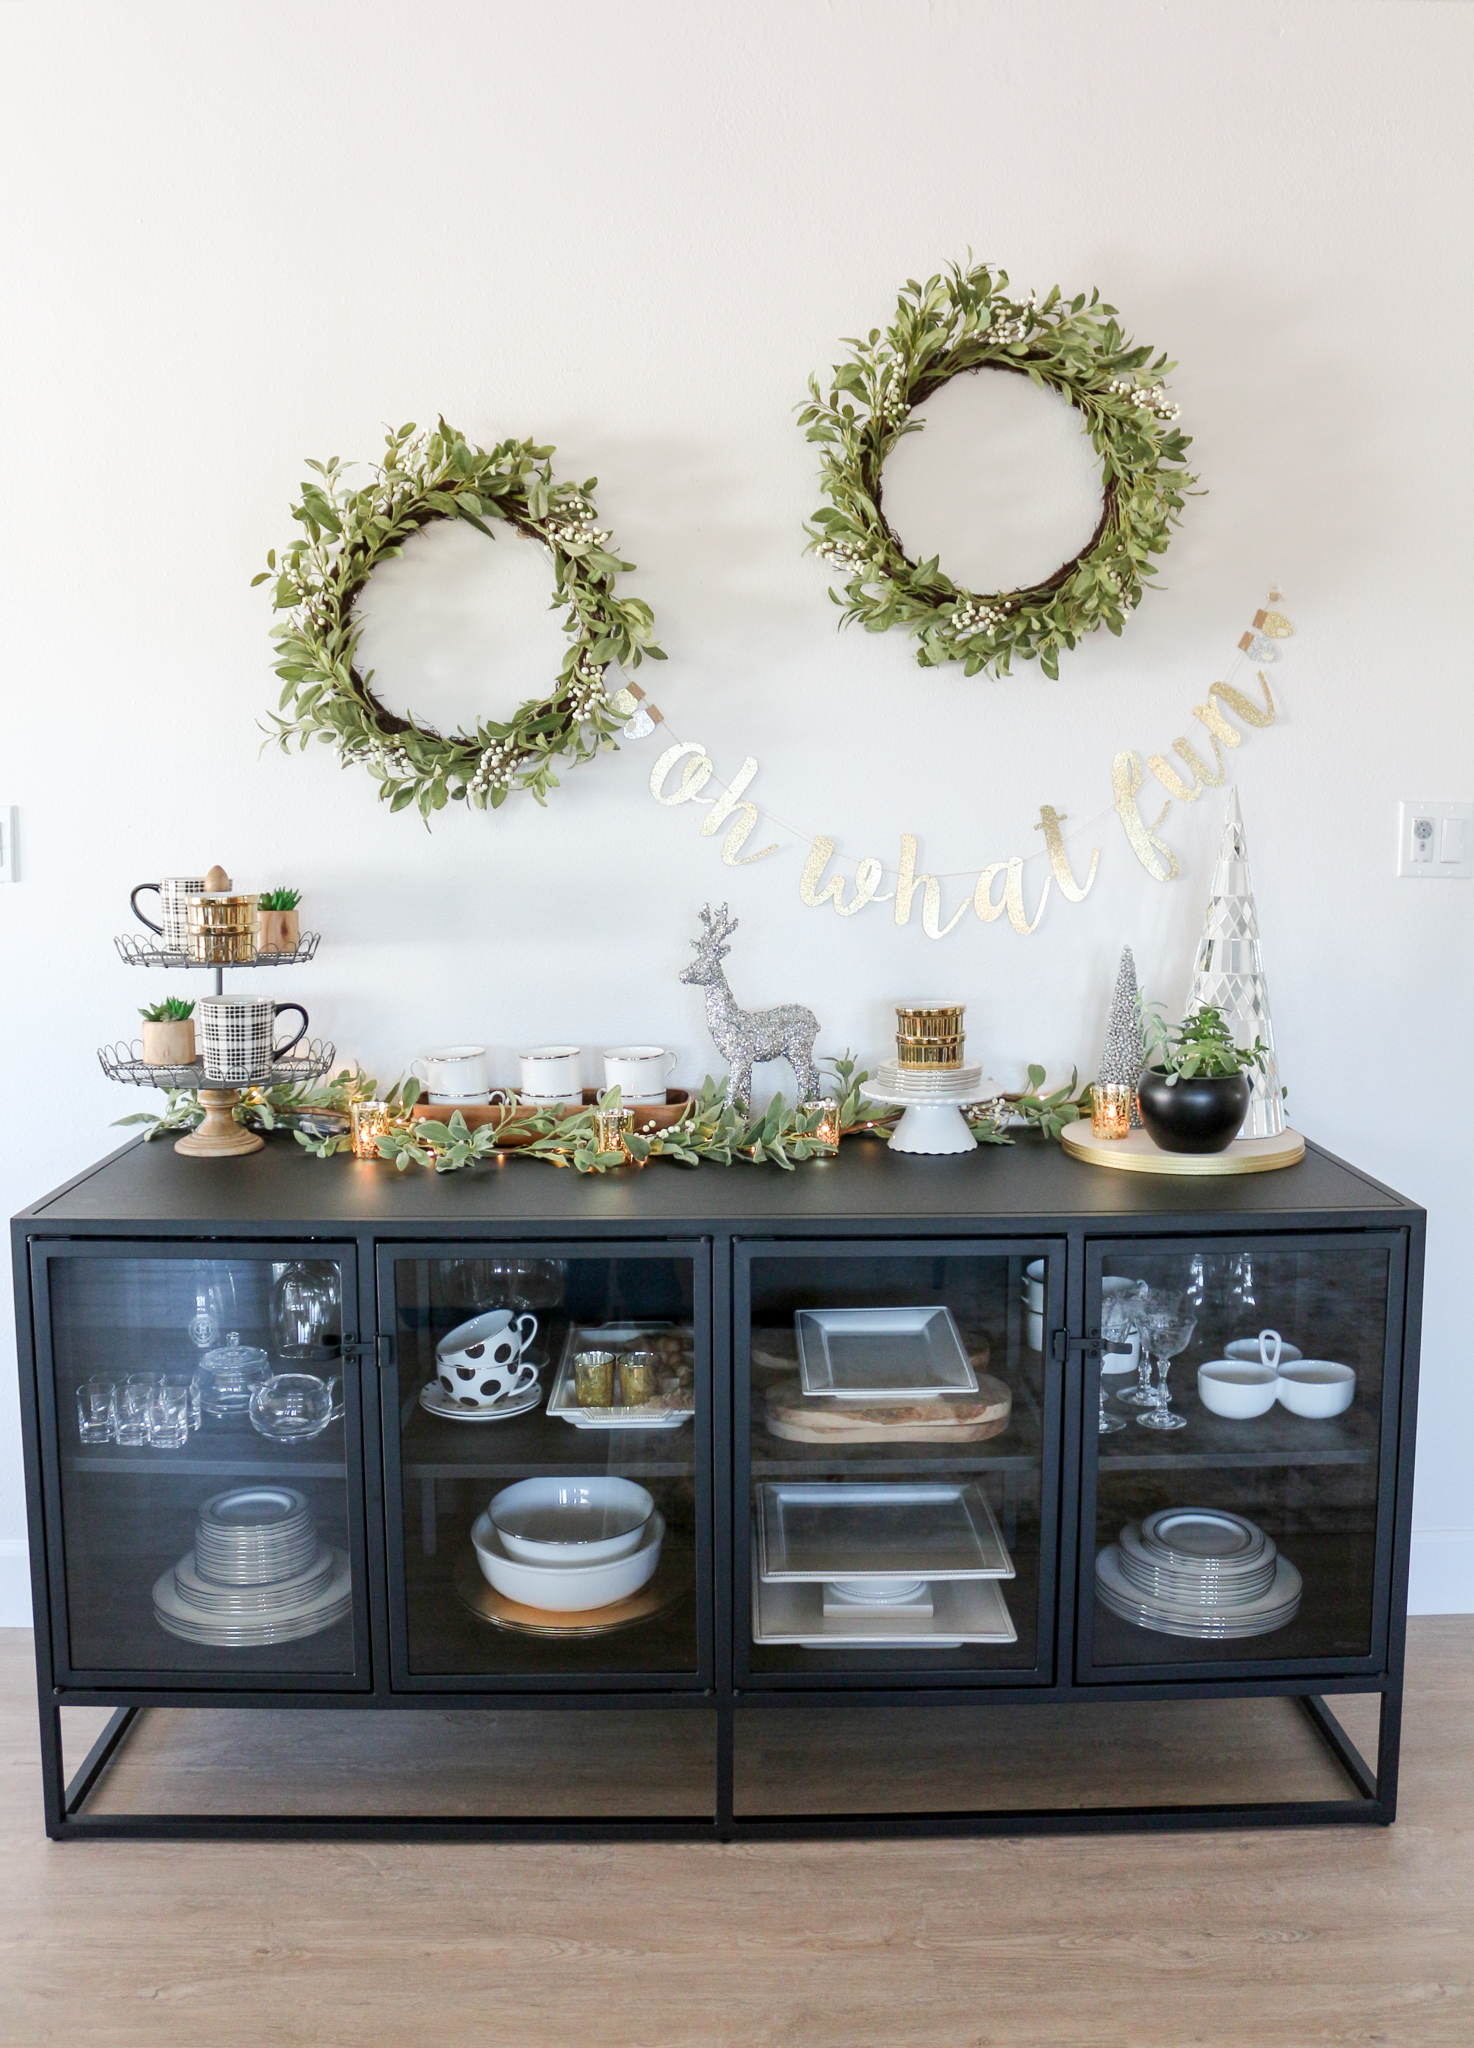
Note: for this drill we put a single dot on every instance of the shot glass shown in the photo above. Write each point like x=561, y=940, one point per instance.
x=593, y=1373
x=168, y=1414
x=1110, y=1109
x=96, y=1417
x=638, y=1381
x=134, y=1401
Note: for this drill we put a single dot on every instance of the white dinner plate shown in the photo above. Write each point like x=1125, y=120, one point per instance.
x=326, y=1606
x=1272, y=1610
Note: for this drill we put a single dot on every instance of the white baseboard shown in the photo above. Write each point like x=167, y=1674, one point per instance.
x=15, y=1582
x=1441, y=1580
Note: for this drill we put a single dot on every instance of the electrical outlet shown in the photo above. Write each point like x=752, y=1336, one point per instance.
x=1435, y=842
x=8, y=872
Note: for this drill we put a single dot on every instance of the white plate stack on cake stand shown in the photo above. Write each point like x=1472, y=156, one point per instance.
x=930, y=1080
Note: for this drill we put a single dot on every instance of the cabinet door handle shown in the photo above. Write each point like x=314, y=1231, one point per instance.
x=1062, y=1344
x=380, y=1348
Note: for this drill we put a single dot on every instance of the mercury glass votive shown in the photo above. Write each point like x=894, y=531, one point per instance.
x=593, y=1376
x=638, y=1381
x=828, y=1110
x=370, y=1121
x=1110, y=1109
x=612, y=1127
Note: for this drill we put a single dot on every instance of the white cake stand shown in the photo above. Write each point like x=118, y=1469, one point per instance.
x=933, y=1123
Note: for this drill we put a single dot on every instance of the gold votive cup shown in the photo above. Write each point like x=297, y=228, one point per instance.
x=222, y=928
x=930, y=1035
x=593, y=1378
x=1110, y=1109
x=612, y=1128
x=828, y=1112
x=638, y=1380
x=369, y=1120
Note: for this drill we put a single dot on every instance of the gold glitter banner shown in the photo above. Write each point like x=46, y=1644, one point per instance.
x=735, y=810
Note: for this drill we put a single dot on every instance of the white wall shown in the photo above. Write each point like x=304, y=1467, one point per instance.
x=236, y=236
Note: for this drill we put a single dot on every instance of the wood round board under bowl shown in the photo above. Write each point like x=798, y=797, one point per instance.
x=670, y=1585
x=941, y=1418
x=1137, y=1153
x=511, y=1119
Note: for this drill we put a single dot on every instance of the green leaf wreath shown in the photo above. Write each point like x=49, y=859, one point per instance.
x=706, y=1129
x=964, y=320
x=318, y=580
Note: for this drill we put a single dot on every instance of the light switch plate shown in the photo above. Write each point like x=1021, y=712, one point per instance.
x=8, y=870
x=1435, y=841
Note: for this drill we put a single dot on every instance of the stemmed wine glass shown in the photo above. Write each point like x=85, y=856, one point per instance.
x=1118, y=1321
x=1141, y=1307
x=1170, y=1321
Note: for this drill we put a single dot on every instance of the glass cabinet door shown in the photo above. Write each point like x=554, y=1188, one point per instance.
x=1240, y=1516
x=198, y=1435
x=547, y=1436
x=896, y=1462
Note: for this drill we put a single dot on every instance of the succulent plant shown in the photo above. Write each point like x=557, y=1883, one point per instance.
x=172, y=1010
x=280, y=899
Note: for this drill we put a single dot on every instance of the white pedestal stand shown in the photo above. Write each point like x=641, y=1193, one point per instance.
x=935, y=1124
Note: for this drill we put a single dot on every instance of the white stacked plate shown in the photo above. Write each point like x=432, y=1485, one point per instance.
x=921, y=1083
x=1198, y=1572
x=257, y=1574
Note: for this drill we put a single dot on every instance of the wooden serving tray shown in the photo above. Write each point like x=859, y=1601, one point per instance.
x=943, y=1418
x=511, y=1119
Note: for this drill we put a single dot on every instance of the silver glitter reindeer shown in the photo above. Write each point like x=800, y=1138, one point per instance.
x=745, y=1036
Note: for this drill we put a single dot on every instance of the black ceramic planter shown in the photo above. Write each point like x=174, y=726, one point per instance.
x=1201, y=1115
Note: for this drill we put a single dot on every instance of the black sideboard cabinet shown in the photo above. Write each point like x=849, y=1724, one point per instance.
x=735, y=1701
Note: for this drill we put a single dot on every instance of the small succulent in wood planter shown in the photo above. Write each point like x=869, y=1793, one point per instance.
x=277, y=927
x=168, y=1033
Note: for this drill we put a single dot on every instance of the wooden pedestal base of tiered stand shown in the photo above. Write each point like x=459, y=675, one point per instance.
x=219, y=1136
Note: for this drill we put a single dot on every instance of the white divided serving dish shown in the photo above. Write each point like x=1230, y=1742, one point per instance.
x=882, y=1354
x=1237, y=1388
x=845, y=1531
x=1316, y=1387
x=567, y=1588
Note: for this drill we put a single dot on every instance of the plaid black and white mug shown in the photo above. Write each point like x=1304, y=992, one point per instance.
x=174, y=893
x=237, y=1033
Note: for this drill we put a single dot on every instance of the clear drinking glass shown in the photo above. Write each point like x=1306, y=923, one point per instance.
x=1117, y=1327
x=1171, y=1321
x=96, y=1420
x=134, y=1398
x=168, y=1414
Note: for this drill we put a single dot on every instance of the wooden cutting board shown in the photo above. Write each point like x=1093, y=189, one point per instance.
x=945, y=1418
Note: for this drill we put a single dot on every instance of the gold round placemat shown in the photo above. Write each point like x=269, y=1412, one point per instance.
x=670, y=1585
x=1137, y=1154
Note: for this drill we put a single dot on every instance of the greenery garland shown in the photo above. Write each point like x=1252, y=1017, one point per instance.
x=965, y=321
x=320, y=578
x=706, y=1130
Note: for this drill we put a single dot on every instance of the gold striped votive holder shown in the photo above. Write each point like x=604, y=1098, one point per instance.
x=931, y=1036
x=222, y=928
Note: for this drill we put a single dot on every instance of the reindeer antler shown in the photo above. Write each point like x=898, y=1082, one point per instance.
x=717, y=928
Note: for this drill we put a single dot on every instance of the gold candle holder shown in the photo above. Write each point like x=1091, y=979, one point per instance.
x=930, y=1036
x=638, y=1382
x=1110, y=1109
x=222, y=928
x=612, y=1127
x=828, y=1110
x=593, y=1378
x=370, y=1121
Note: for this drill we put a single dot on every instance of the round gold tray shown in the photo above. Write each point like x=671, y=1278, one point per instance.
x=1137, y=1154
x=670, y=1585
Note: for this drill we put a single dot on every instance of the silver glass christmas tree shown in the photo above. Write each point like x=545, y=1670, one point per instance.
x=1228, y=973
x=1125, y=1054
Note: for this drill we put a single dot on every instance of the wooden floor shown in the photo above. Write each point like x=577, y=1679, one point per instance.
x=1270, y=1940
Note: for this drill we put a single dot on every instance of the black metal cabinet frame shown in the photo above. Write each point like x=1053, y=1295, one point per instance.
x=1028, y=1201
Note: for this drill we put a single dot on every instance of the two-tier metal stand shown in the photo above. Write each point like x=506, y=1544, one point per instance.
x=219, y=1136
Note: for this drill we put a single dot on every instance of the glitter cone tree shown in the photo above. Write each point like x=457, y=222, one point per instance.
x=1228, y=973
x=1124, y=1055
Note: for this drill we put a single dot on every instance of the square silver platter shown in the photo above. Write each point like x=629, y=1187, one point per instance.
x=616, y=1337
x=882, y=1354
x=808, y=1533
x=963, y=1611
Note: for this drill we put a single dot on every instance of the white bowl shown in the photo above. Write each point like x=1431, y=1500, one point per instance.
x=1248, y=1348
x=570, y=1521
x=1317, y=1387
x=1237, y=1387
x=567, y=1588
